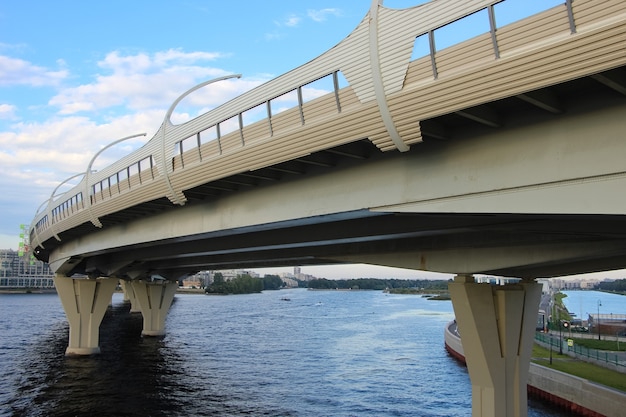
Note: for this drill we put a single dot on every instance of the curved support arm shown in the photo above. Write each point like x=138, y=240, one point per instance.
x=168, y=115
x=48, y=205
x=174, y=198
x=51, y=199
x=87, y=198
x=377, y=80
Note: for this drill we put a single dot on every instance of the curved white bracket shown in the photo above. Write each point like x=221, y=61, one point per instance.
x=51, y=200
x=377, y=79
x=33, y=224
x=87, y=197
x=168, y=122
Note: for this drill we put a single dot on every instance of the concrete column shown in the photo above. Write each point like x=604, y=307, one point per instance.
x=154, y=300
x=497, y=325
x=129, y=295
x=85, y=301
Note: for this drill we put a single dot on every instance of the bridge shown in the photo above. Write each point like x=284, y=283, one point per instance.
x=502, y=154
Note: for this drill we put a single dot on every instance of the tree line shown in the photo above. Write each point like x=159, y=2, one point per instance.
x=376, y=284
x=613, y=286
x=243, y=284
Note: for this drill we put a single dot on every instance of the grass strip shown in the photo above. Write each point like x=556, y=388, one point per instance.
x=611, y=345
x=564, y=363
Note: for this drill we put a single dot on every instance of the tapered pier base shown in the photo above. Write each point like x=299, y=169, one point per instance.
x=497, y=325
x=85, y=301
x=154, y=300
x=129, y=295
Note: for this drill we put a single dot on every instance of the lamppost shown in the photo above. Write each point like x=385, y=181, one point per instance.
x=560, y=337
x=599, y=304
x=94, y=220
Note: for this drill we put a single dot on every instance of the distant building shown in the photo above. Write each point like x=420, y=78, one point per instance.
x=297, y=274
x=495, y=280
x=608, y=324
x=205, y=278
x=23, y=271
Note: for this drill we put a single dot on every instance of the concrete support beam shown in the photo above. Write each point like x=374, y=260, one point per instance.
x=155, y=299
x=129, y=295
x=85, y=301
x=615, y=79
x=544, y=99
x=497, y=325
x=483, y=114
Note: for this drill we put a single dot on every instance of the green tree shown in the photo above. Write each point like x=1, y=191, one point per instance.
x=243, y=284
x=272, y=282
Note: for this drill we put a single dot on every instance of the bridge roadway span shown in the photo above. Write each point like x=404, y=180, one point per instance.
x=502, y=154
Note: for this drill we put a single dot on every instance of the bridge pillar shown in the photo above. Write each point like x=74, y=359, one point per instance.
x=497, y=325
x=154, y=300
x=129, y=295
x=85, y=301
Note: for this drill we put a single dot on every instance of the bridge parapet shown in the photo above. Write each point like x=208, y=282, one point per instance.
x=571, y=40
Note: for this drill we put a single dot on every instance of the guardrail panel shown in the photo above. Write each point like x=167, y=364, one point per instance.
x=520, y=34
x=256, y=131
x=320, y=107
x=590, y=12
x=348, y=99
x=231, y=141
x=285, y=120
x=419, y=70
x=210, y=149
x=457, y=57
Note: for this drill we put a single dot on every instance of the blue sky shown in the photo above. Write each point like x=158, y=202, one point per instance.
x=77, y=75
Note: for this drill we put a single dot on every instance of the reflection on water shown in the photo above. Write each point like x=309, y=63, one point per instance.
x=322, y=353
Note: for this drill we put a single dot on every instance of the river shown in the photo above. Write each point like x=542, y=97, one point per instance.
x=319, y=353
x=583, y=303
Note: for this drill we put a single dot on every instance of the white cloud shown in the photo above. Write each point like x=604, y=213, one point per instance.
x=7, y=112
x=139, y=82
x=272, y=36
x=130, y=97
x=47, y=153
x=322, y=14
x=292, y=21
x=15, y=71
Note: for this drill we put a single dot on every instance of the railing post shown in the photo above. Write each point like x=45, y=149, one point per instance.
x=336, y=86
x=431, y=45
x=300, y=104
x=492, y=26
x=570, y=16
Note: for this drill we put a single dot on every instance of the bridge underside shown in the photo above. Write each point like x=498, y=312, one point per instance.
x=516, y=245
x=526, y=186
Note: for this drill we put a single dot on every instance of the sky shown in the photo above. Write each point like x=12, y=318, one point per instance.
x=77, y=75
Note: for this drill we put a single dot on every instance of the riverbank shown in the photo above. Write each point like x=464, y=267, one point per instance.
x=577, y=395
x=28, y=291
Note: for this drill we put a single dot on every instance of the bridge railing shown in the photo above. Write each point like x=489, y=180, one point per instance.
x=140, y=167
x=253, y=117
x=262, y=122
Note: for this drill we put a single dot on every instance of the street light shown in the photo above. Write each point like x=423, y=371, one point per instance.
x=94, y=220
x=599, y=304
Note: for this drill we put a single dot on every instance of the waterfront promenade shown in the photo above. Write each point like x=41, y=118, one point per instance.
x=580, y=396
